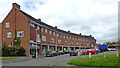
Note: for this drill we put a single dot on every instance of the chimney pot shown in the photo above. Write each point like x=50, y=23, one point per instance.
x=15, y=5
x=39, y=20
x=68, y=30
x=91, y=35
x=80, y=33
x=56, y=27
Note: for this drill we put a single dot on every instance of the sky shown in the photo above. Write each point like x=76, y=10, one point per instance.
x=98, y=18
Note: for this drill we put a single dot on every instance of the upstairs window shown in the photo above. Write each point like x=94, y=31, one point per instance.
x=52, y=40
x=86, y=39
x=65, y=42
x=77, y=43
x=67, y=37
x=73, y=38
x=54, y=33
x=82, y=44
x=41, y=29
x=43, y=38
x=70, y=37
x=58, y=35
x=87, y=44
x=61, y=35
x=8, y=25
x=45, y=30
x=20, y=34
x=38, y=27
x=71, y=43
x=59, y=41
x=64, y=36
x=9, y=35
x=32, y=25
x=50, y=32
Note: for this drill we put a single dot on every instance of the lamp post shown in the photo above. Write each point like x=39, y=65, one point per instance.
x=36, y=42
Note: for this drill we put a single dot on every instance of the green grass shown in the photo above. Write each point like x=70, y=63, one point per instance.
x=8, y=58
x=110, y=60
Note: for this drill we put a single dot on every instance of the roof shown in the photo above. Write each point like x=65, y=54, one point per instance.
x=51, y=27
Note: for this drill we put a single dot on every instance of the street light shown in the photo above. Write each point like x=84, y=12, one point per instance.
x=36, y=41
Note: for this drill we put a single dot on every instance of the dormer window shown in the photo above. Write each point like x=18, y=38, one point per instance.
x=8, y=25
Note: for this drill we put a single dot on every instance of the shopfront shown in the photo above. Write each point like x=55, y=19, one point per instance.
x=44, y=48
x=51, y=48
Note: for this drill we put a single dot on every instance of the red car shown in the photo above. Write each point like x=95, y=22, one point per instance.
x=92, y=51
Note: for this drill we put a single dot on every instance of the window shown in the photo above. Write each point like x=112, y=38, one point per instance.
x=43, y=38
x=58, y=35
x=67, y=37
x=45, y=30
x=82, y=44
x=77, y=43
x=38, y=27
x=71, y=43
x=20, y=34
x=83, y=39
x=87, y=44
x=50, y=32
x=89, y=40
x=38, y=37
x=65, y=42
x=9, y=35
x=41, y=29
x=73, y=38
x=78, y=38
x=61, y=35
x=52, y=40
x=59, y=41
x=32, y=25
x=54, y=33
x=70, y=37
x=64, y=36
x=92, y=45
x=86, y=39
x=8, y=25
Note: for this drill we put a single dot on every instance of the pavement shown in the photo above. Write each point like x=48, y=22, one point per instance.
x=60, y=60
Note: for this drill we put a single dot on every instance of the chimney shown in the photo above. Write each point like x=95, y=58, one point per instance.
x=90, y=35
x=56, y=27
x=39, y=20
x=68, y=30
x=15, y=5
x=80, y=33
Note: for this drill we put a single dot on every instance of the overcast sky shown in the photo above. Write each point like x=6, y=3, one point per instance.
x=98, y=18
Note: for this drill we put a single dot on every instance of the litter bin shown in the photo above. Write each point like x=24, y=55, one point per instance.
x=33, y=56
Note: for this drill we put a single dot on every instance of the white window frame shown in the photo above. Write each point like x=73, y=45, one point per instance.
x=54, y=33
x=52, y=40
x=9, y=34
x=18, y=32
x=7, y=25
x=59, y=41
x=50, y=32
x=43, y=38
x=45, y=30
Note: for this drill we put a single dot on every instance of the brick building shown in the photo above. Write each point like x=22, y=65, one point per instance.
x=0, y=33
x=33, y=32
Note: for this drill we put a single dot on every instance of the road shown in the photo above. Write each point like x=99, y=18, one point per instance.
x=60, y=60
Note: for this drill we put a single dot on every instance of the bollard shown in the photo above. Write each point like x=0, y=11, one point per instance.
x=117, y=54
x=104, y=54
x=89, y=55
x=78, y=53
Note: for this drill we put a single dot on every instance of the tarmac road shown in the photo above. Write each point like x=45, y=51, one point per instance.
x=60, y=60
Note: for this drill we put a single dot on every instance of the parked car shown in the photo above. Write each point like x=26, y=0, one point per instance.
x=51, y=53
x=98, y=50
x=109, y=49
x=66, y=51
x=113, y=49
x=74, y=53
x=61, y=52
x=58, y=52
x=92, y=51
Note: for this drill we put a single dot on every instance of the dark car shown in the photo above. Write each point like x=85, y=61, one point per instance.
x=66, y=51
x=74, y=53
x=58, y=52
x=61, y=52
x=51, y=53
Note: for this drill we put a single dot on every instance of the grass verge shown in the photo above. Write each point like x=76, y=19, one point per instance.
x=111, y=60
x=8, y=58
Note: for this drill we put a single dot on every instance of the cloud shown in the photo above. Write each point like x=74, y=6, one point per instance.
x=95, y=17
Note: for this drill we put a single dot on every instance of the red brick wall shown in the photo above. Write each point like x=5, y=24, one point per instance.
x=0, y=33
x=21, y=25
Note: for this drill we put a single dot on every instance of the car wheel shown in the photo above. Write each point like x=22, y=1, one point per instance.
x=95, y=53
x=70, y=54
